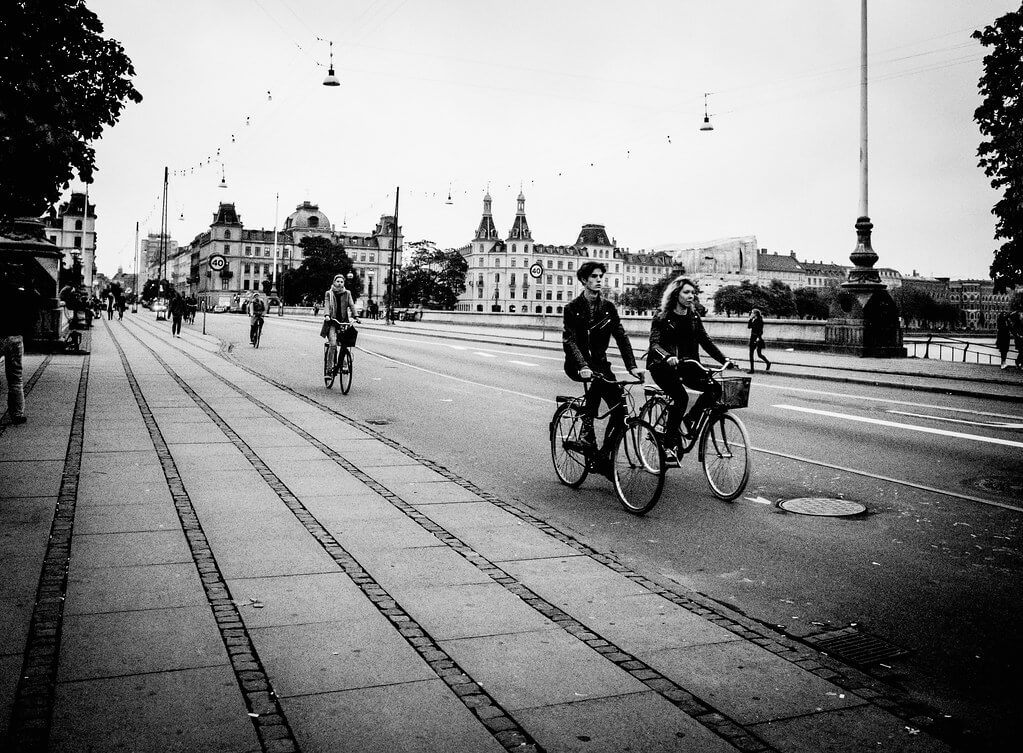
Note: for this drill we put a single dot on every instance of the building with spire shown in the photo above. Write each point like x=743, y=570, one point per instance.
x=72, y=228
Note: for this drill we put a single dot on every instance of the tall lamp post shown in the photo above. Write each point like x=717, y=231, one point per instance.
x=273, y=279
x=868, y=323
x=138, y=289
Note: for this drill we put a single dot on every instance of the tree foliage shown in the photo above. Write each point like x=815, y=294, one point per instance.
x=646, y=297
x=776, y=299
x=61, y=83
x=432, y=277
x=919, y=309
x=323, y=259
x=1000, y=117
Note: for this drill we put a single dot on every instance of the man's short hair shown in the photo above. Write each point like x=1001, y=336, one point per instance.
x=587, y=268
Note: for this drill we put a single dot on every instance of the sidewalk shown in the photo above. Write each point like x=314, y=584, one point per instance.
x=925, y=375
x=196, y=559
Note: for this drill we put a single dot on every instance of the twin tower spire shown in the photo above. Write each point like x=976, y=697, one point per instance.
x=487, y=231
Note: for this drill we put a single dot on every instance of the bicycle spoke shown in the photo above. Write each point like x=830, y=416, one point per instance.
x=726, y=456
x=638, y=468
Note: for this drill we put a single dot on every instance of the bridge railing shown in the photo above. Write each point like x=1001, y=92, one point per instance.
x=946, y=348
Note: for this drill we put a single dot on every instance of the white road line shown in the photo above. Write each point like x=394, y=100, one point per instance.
x=884, y=400
x=485, y=355
x=986, y=424
x=897, y=425
x=524, y=363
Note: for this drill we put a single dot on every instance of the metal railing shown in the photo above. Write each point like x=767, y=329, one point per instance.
x=946, y=348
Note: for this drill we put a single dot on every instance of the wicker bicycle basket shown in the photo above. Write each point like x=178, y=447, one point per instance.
x=734, y=391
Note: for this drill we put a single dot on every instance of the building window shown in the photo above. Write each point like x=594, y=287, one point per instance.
x=514, y=262
x=266, y=251
x=248, y=250
x=314, y=221
x=497, y=276
x=245, y=285
x=539, y=296
x=561, y=264
x=227, y=233
x=497, y=262
x=560, y=296
x=78, y=242
x=223, y=283
x=248, y=268
x=53, y=239
x=227, y=248
x=513, y=248
x=550, y=264
x=550, y=279
x=550, y=295
x=570, y=266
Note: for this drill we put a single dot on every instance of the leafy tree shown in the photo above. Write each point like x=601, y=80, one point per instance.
x=61, y=83
x=323, y=260
x=432, y=277
x=647, y=296
x=1000, y=118
x=809, y=304
x=156, y=289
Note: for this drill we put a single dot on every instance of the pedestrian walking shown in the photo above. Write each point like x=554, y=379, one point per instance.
x=177, y=311
x=1003, y=335
x=120, y=307
x=18, y=314
x=110, y=306
x=756, y=339
x=1016, y=330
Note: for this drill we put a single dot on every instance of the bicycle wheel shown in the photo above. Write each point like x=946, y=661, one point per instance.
x=655, y=413
x=346, y=371
x=328, y=367
x=569, y=462
x=638, y=467
x=726, y=456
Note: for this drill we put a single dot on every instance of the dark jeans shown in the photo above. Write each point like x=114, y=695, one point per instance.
x=258, y=323
x=756, y=345
x=674, y=379
x=611, y=393
x=175, y=324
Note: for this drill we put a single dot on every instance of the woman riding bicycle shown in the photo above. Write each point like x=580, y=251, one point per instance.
x=676, y=335
x=590, y=322
x=337, y=302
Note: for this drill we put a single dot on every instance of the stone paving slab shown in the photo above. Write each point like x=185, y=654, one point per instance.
x=336, y=511
x=399, y=718
x=560, y=580
x=197, y=432
x=114, y=436
x=433, y=492
x=162, y=712
x=749, y=683
x=122, y=518
x=425, y=566
x=130, y=549
x=241, y=554
x=525, y=670
x=469, y=611
x=320, y=657
x=642, y=722
x=370, y=453
x=30, y=478
x=298, y=599
x=123, y=589
x=363, y=537
x=129, y=643
x=48, y=442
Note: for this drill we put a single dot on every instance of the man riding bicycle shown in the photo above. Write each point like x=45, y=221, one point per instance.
x=676, y=335
x=589, y=323
x=337, y=302
x=257, y=307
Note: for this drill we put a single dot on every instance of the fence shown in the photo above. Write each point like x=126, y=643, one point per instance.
x=944, y=348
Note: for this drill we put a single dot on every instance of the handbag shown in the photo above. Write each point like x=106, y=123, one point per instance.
x=325, y=328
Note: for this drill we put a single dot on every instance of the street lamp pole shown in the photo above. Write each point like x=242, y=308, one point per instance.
x=137, y=291
x=273, y=281
x=392, y=282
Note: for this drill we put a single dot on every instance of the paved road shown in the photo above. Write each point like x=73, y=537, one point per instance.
x=931, y=568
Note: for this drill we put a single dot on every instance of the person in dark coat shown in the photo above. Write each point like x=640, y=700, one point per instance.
x=590, y=321
x=1003, y=334
x=676, y=336
x=756, y=338
x=177, y=309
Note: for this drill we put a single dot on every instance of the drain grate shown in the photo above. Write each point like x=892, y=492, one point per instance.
x=856, y=647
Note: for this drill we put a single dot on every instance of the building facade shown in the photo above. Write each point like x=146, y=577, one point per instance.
x=72, y=229
x=250, y=254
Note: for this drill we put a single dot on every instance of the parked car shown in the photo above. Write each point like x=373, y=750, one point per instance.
x=160, y=307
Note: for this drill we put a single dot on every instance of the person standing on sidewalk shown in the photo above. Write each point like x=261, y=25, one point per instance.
x=1002, y=337
x=177, y=311
x=18, y=312
x=756, y=338
x=590, y=321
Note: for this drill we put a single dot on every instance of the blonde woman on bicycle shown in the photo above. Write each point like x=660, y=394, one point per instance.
x=338, y=302
x=676, y=336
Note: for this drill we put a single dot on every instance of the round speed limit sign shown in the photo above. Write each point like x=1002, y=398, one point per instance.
x=217, y=262
x=536, y=270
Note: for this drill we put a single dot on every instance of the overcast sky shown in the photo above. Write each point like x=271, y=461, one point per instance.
x=593, y=107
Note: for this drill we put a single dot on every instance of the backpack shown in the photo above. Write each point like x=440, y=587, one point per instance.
x=258, y=307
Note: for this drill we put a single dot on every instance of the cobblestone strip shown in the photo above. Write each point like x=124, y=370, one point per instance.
x=27, y=388
x=271, y=725
x=505, y=730
x=32, y=713
x=804, y=656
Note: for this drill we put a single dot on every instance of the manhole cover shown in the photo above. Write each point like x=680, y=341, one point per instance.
x=1011, y=485
x=856, y=647
x=835, y=508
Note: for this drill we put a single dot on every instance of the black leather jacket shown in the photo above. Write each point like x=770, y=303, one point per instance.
x=681, y=337
x=587, y=334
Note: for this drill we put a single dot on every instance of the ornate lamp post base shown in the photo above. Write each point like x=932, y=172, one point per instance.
x=864, y=320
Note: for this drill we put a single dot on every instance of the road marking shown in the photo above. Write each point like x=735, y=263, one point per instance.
x=524, y=363
x=485, y=355
x=885, y=400
x=889, y=479
x=987, y=424
x=908, y=427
